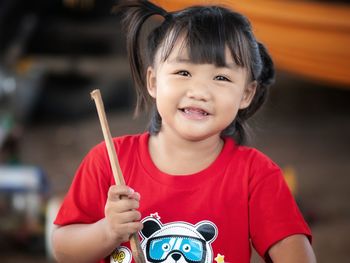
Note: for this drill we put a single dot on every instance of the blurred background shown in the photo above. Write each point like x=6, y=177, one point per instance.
x=53, y=53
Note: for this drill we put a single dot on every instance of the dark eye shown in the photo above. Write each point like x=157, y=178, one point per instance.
x=166, y=247
x=222, y=78
x=186, y=248
x=183, y=73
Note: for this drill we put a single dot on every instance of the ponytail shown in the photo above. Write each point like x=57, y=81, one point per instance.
x=134, y=14
x=267, y=75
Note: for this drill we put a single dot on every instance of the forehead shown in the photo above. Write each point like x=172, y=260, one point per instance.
x=179, y=50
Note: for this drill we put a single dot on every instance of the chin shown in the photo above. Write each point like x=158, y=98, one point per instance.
x=197, y=136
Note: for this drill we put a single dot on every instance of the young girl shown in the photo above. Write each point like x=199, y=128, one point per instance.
x=201, y=196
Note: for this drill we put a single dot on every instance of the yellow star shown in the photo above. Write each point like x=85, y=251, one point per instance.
x=220, y=258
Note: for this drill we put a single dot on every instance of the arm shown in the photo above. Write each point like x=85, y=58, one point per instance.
x=295, y=248
x=92, y=242
x=82, y=242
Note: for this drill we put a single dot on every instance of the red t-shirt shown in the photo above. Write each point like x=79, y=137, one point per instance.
x=209, y=216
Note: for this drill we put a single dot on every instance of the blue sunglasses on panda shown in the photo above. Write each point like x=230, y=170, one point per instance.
x=191, y=248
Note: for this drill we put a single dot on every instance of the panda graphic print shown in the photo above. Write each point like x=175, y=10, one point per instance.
x=175, y=242
x=178, y=242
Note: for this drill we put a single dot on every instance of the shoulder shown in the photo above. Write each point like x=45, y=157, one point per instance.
x=256, y=158
x=125, y=146
x=131, y=140
x=97, y=160
x=121, y=143
x=249, y=156
x=252, y=163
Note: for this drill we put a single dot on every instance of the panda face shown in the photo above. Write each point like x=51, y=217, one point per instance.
x=176, y=248
x=178, y=242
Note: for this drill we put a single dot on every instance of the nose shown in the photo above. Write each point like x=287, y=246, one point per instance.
x=198, y=90
x=176, y=256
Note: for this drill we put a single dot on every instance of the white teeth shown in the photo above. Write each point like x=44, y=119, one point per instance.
x=188, y=111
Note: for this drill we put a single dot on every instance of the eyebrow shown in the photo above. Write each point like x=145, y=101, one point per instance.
x=188, y=61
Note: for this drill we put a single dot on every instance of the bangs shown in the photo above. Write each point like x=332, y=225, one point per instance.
x=206, y=35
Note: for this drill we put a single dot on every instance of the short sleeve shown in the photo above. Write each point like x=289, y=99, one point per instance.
x=87, y=195
x=273, y=212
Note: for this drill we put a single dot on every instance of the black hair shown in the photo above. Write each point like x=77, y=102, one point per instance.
x=207, y=30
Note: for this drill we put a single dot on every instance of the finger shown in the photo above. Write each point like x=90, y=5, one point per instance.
x=124, y=231
x=124, y=205
x=116, y=191
x=129, y=229
x=121, y=206
x=133, y=227
x=127, y=217
x=135, y=196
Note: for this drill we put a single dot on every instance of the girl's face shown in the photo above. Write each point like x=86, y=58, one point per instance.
x=197, y=101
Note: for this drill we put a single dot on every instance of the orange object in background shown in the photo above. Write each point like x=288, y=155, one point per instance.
x=306, y=38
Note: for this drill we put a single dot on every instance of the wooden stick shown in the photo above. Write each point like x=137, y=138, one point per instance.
x=117, y=173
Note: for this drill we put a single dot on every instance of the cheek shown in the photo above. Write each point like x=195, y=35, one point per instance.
x=166, y=102
x=229, y=101
x=168, y=89
x=228, y=108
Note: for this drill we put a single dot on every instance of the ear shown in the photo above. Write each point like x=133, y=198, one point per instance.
x=151, y=82
x=248, y=94
x=207, y=230
x=150, y=225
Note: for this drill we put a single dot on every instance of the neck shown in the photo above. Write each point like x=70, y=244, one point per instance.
x=177, y=156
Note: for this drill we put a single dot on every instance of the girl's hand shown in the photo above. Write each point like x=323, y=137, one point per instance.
x=122, y=218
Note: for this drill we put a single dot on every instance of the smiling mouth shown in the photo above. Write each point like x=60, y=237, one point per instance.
x=194, y=112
